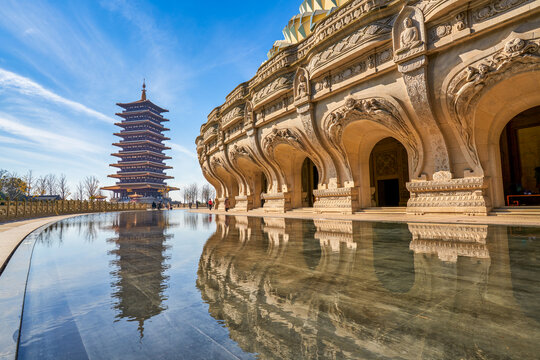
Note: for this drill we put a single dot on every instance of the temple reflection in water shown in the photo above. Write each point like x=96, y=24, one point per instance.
x=341, y=289
x=139, y=265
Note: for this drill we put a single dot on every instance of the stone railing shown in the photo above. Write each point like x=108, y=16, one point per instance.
x=10, y=210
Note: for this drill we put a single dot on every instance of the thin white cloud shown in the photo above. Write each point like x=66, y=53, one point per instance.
x=46, y=138
x=25, y=86
x=182, y=149
x=11, y=140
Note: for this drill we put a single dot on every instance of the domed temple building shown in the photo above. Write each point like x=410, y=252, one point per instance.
x=431, y=105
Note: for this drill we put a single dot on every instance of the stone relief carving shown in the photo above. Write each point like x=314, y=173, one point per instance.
x=273, y=107
x=281, y=83
x=359, y=67
x=210, y=132
x=282, y=136
x=494, y=8
x=249, y=116
x=449, y=241
x=359, y=37
x=465, y=89
x=301, y=84
x=458, y=23
x=445, y=194
x=409, y=34
x=380, y=111
x=235, y=114
x=217, y=162
x=238, y=151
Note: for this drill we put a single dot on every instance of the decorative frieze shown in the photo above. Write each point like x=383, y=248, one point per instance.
x=447, y=195
x=239, y=151
x=341, y=200
x=210, y=133
x=440, y=31
x=364, y=65
x=282, y=136
x=277, y=202
x=494, y=8
x=281, y=83
x=350, y=42
x=448, y=241
x=231, y=116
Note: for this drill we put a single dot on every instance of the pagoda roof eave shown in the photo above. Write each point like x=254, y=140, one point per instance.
x=127, y=115
x=139, y=186
x=140, y=173
x=141, y=163
x=122, y=154
x=127, y=105
x=139, y=122
x=141, y=142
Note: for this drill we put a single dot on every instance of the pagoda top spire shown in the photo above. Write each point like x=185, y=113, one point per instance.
x=143, y=95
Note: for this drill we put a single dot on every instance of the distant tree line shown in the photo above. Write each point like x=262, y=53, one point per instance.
x=193, y=193
x=29, y=186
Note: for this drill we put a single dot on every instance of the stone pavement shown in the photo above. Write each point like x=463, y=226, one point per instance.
x=12, y=233
x=510, y=219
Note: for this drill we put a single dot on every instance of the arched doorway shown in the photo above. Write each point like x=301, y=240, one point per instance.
x=520, y=159
x=264, y=188
x=389, y=171
x=310, y=181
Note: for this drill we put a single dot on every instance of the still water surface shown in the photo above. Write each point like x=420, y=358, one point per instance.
x=176, y=285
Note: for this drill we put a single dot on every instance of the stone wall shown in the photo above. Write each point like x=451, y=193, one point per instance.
x=441, y=77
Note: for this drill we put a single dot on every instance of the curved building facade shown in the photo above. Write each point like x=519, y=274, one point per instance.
x=429, y=105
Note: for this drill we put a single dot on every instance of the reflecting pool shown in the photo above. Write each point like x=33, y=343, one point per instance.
x=163, y=285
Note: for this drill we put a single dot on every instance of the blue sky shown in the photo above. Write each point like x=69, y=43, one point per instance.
x=65, y=64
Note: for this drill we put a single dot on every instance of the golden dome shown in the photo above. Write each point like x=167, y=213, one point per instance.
x=301, y=25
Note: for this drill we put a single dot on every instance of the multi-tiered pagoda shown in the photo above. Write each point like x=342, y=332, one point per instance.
x=142, y=168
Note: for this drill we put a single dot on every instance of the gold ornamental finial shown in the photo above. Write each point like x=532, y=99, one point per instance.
x=143, y=96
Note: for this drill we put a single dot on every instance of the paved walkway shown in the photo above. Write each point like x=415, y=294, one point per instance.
x=12, y=233
x=512, y=220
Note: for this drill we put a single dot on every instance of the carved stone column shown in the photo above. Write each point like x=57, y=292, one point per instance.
x=271, y=172
x=329, y=197
x=441, y=193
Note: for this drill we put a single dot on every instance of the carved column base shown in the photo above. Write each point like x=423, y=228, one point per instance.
x=449, y=241
x=277, y=202
x=244, y=203
x=340, y=200
x=220, y=204
x=457, y=196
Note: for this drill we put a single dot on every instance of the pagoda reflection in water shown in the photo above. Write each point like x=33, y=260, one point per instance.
x=341, y=289
x=140, y=265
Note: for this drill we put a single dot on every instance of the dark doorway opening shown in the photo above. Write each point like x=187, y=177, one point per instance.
x=389, y=172
x=520, y=159
x=310, y=181
x=388, y=192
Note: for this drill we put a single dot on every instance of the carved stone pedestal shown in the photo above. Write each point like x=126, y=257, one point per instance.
x=340, y=200
x=220, y=204
x=448, y=241
x=447, y=195
x=244, y=202
x=277, y=202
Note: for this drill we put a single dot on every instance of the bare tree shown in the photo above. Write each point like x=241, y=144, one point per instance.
x=29, y=180
x=40, y=187
x=193, y=192
x=205, y=192
x=63, y=187
x=79, y=191
x=52, y=184
x=91, y=186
